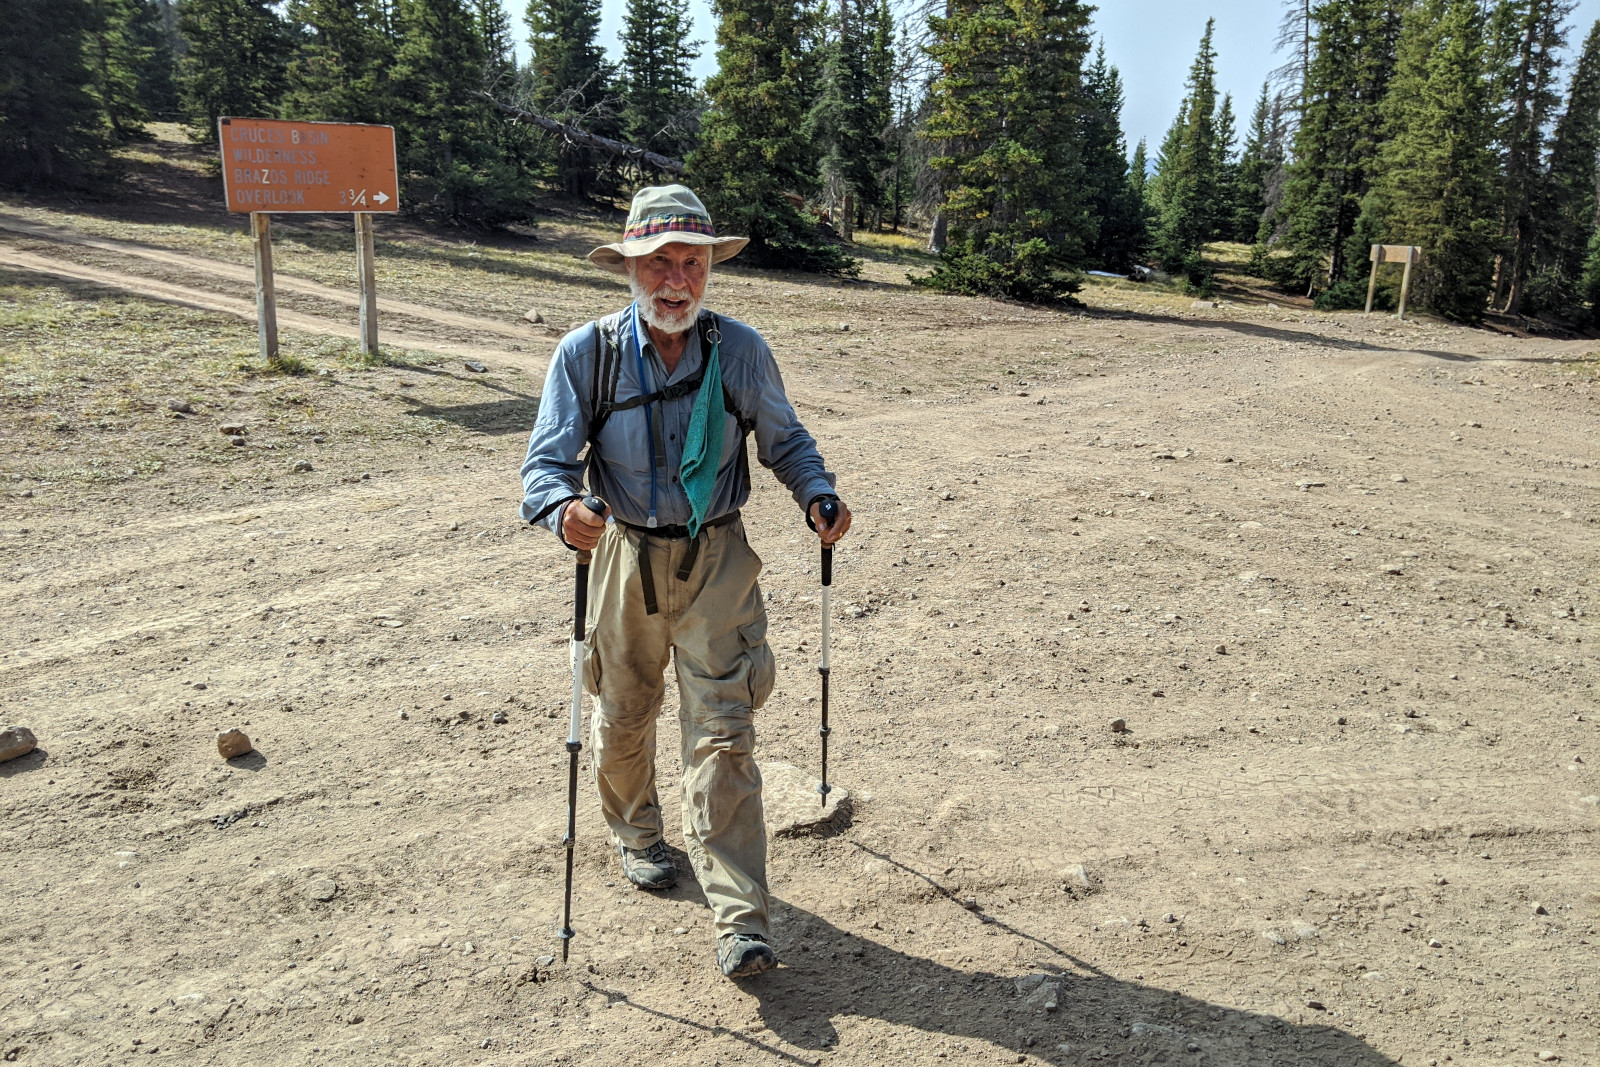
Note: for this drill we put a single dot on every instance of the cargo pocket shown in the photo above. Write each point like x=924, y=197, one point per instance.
x=591, y=666
x=763, y=670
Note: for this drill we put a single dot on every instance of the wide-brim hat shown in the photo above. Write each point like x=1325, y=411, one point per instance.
x=662, y=215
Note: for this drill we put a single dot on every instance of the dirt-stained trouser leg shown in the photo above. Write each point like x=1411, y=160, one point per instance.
x=725, y=672
x=625, y=661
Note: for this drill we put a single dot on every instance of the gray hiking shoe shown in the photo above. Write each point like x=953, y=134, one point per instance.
x=650, y=867
x=744, y=955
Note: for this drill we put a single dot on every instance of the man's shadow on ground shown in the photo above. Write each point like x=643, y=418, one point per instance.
x=828, y=973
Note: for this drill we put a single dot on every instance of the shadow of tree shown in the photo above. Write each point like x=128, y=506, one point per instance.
x=515, y=414
x=1311, y=340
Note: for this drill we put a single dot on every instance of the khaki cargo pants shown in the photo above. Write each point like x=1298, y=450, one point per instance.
x=714, y=628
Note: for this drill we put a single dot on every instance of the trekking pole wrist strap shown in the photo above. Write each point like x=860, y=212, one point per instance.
x=813, y=502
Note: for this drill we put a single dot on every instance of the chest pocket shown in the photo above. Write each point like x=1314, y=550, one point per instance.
x=624, y=442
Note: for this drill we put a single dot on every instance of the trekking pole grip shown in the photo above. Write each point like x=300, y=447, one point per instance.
x=598, y=506
x=829, y=511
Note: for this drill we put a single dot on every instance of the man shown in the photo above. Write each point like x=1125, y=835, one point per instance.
x=663, y=394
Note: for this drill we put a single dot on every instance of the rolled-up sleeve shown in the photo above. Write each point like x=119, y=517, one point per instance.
x=553, y=471
x=783, y=445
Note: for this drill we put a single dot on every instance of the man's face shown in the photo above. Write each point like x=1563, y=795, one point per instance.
x=669, y=284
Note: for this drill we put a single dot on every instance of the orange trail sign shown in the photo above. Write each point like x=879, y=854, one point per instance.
x=277, y=166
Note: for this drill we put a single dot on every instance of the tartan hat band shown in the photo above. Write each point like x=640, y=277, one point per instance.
x=655, y=225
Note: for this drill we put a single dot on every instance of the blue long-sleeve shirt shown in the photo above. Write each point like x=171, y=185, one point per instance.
x=619, y=465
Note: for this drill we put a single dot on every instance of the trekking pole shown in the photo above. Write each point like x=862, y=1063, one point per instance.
x=580, y=609
x=829, y=510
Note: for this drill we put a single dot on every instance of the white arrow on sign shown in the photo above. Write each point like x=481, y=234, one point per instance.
x=381, y=198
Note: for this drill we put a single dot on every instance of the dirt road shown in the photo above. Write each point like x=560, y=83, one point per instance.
x=1335, y=576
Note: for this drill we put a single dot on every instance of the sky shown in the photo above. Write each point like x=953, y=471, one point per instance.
x=1152, y=42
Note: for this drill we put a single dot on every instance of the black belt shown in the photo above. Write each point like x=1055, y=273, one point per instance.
x=670, y=533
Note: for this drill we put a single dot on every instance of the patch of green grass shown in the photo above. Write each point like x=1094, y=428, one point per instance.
x=1228, y=255
x=893, y=243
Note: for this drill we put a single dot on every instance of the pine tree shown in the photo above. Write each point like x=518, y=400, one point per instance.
x=572, y=82
x=1249, y=202
x=660, y=105
x=1138, y=176
x=1337, y=137
x=155, y=34
x=454, y=163
x=499, y=53
x=236, y=63
x=50, y=126
x=1189, y=171
x=1297, y=41
x=1227, y=172
x=908, y=150
x=1567, y=216
x=118, y=53
x=1526, y=36
x=1437, y=181
x=1274, y=158
x=1113, y=200
x=851, y=114
x=754, y=150
x=341, y=70
x=1004, y=118
x=879, y=110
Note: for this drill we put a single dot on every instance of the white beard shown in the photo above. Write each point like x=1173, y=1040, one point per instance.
x=678, y=323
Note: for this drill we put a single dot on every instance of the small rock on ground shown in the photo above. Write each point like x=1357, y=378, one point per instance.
x=232, y=429
x=1119, y=726
x=474, y=366
x=16, y=741
x=1076, y=878
x=231, y=743
x=793, y=805
x=321, y=889
x=301, y=466
x=533, y=316
x=182, y=407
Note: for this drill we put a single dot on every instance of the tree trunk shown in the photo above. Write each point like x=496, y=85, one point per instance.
x=936, y=233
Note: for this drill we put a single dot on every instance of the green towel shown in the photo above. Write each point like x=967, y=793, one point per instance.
x=702, y=445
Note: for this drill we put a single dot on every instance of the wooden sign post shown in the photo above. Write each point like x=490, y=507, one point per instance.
x=269, y=165
x=1407, y=254
x=266, y=297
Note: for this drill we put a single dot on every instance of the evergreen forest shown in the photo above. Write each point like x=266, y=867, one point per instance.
x=991, y=129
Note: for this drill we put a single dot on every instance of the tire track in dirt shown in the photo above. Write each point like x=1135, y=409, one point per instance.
x=201, y=300
x=246, y=276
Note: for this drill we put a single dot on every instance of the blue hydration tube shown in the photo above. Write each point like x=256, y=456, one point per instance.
x=649, y=422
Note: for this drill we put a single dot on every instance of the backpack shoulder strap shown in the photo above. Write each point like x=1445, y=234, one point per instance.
x=710, y=327
x=607, y=368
